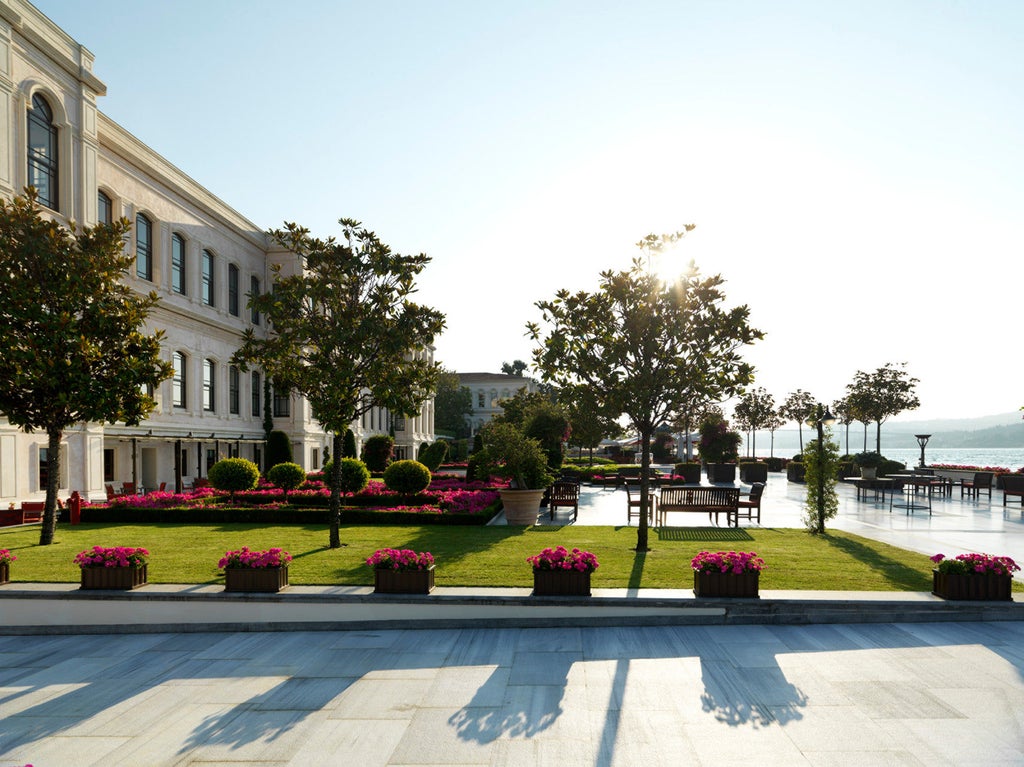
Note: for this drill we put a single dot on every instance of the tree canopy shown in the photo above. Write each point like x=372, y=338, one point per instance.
x=644, y=346
x=73, y=349
x=345, y=332
x=799, y=406
x=453, y=405
x=756, y=409
x=877, y=395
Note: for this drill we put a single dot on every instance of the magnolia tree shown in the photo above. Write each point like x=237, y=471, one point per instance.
x=346, y=333
x=641, y=346
x=72, y=347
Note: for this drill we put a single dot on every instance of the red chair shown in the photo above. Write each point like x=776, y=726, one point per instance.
x=127, y=488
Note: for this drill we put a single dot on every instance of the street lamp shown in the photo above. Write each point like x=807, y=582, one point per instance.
x=822, y=417
x=922, y=440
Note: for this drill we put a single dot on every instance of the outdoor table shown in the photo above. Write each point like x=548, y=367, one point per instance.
x=877, y=484
x=915, y=482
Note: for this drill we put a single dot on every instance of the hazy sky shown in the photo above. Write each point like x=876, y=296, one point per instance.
x=855, y=170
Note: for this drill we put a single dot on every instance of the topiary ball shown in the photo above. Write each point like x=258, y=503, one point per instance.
x=407, y=477
x=354, y=475
x=234, y=474
x=287, y=476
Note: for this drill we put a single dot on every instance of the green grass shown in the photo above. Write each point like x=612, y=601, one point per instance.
x=484, y=556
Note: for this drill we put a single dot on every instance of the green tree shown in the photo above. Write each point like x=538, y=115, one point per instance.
x=346, y=333
x=234, y=474
x=279, y=449
x=588, y=423
x=377, y=452
x=453, y=405
x=798, y=407
x=821, y=468
x=642, y=345
x=756, y=409
x=72, y=348
x=348, y=449
x=844, y=415
x=887, y=391
x=514, y=368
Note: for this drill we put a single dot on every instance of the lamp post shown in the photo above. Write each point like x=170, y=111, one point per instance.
x=922, y=440
x=822, y=417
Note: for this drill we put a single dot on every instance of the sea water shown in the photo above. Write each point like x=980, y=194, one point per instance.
x=1004, y=457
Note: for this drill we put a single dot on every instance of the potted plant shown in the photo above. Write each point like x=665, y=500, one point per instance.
x=868, y=461
x=973, y=576
x=719, y=449
x=560, y=572
x=726, y=574
x=113, y=567
x=6, y=557
x=690, y=472
x=262, y=571
x=753, y=471
x=509, y=453
x=402, y=571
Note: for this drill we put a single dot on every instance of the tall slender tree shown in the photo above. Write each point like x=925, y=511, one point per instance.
x=346, y=333
x=73, y=349
x=642, y=345
x=798, y=407
x=756, y=409
x=885, y=392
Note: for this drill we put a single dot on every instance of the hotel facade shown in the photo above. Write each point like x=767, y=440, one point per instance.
x=201, y=257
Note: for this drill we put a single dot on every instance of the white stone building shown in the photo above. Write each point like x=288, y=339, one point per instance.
x=201, y=256
x=488, y=390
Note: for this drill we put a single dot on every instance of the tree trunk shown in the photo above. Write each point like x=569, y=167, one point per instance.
x=800, y=431
x=335, y=507
x=49, y=527
x=753, y=444
x=645, y=486
x=878, y=438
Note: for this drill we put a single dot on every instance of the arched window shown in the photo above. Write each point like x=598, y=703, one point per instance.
x=208, y=283
x=179, y=380
x=105, y=208
x=42, y=152
x=233, y=290
x=178, y=264
x=209, y=385
x=144, y=247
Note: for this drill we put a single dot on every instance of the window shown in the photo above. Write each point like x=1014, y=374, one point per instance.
x=144, y=247
x=108, y=464
x=282, y=403
x=315, y=459
x=105, y=209
x=42, y=152
x=254, y=290
x=209, y=385
x=179, y=380
x=208, y=283
x=257, y=391
x=178, y=264
x=44, y=467
x=211, y=458
x=234, y=405
x=479, y=399
x=233, y=290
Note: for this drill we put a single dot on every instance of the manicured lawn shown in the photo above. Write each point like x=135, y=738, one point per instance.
x=484, y=556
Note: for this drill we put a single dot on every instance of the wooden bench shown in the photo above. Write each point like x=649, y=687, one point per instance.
x=1013, y=484
x=709, y=500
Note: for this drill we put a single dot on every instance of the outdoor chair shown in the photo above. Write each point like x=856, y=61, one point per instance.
x=749, y=506
x=982, y=481
x=564, y=493
x=110, y=492
x=127, y=488
x=633, y=509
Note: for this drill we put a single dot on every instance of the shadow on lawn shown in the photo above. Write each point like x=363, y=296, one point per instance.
x=702, y=534
x=904, y=577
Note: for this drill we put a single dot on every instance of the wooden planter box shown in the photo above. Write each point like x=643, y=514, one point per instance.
x=721, y=472
x=795, y=471
x=403, y=581
x=989, y=586
x=725, y=584
x=5, y=573
x=690, y=472
x=753, y=472
x=114, y=578
x=260, y=579
x=561, y=583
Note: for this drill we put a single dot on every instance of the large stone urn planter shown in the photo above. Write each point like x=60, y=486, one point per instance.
x=403, y=581
x=521, y=506
x=114, y=578
x=981, y=586
x=267, y=580
x=726, y=584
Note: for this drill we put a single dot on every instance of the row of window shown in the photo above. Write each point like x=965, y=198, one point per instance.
x=180, y=386
x=180, y=267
